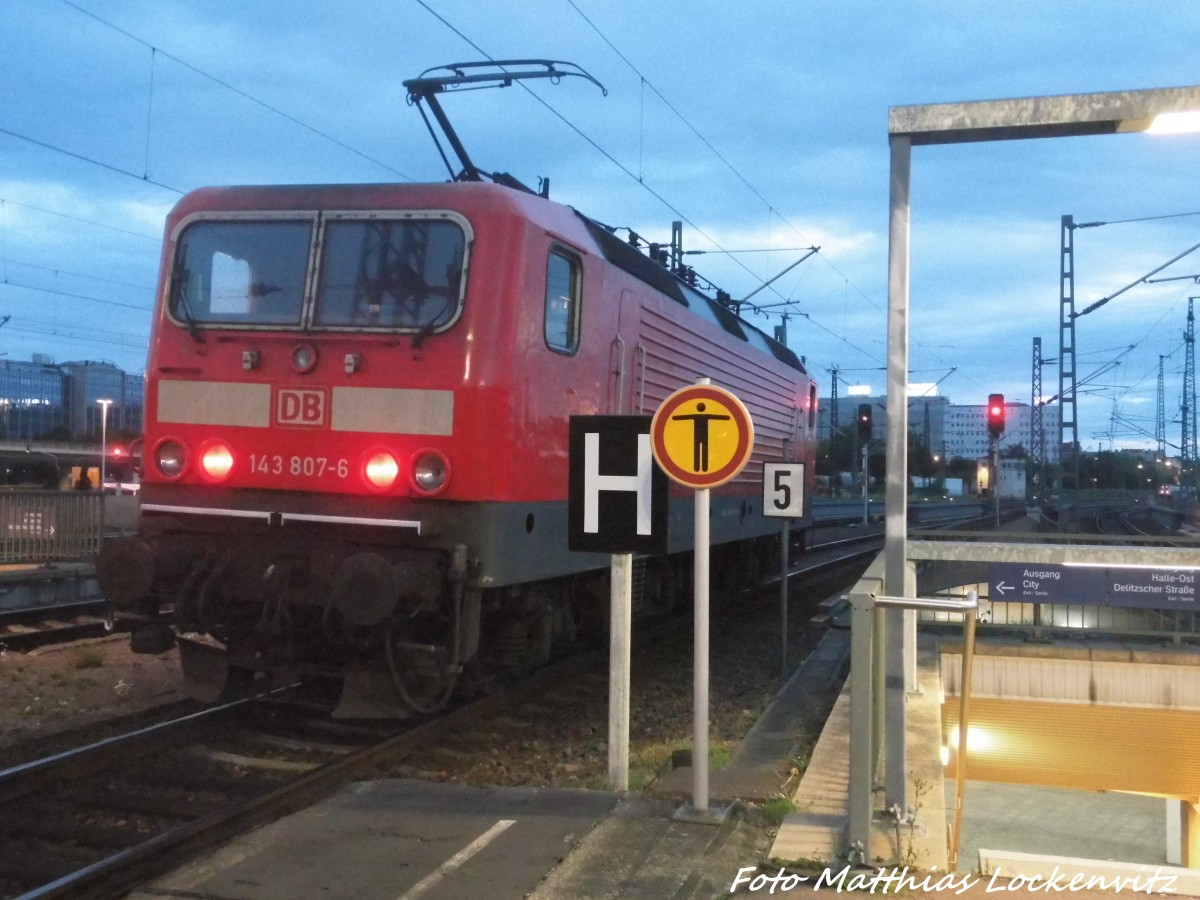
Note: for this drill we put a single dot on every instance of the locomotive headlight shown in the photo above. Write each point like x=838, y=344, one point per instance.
x=304, y=357
x=381, y=470
x=171, y=458
x=216, y=460
x=430, y=471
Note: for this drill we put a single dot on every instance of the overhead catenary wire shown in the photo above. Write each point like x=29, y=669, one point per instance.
x=1139, y=219
x=671, y=106
x=156, y=51
x=141, y=307
x=86, y=337
x=658, y=196
x=57, y=271
x=87, y=159
x=587, y=138
x=241, y=93
x=1134, y=284
x=157, y=238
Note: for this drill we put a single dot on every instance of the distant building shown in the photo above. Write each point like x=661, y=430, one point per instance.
x=38, y=398
x=947, y=429
x=967, y=434
x=1012, y=478
x=32, y=398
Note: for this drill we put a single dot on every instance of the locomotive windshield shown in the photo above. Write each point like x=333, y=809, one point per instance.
x=241, y=273
x=402, y=274
x=393, y=274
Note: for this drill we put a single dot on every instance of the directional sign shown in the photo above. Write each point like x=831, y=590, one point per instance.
x=702, y=436
x=617, y=500
x=1145, y=588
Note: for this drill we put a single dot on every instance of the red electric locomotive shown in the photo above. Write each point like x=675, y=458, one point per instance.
x=355, y=455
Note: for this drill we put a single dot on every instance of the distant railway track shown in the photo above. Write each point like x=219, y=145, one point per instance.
x=103, y=819
x=27, y=627
x=1124, y=522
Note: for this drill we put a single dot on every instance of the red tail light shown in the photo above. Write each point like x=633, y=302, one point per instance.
x=381, y=470
x=216, y=460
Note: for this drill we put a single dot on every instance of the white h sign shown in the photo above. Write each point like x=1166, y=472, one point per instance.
x=616, y=495
x=594, y=483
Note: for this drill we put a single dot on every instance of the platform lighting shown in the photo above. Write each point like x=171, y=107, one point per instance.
x=104, y=405
x=1174, y=123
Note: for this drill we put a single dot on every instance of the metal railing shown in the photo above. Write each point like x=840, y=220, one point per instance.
x=45, y=526
x=869, y=689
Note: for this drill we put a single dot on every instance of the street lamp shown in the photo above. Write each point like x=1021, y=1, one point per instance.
x=104, y=405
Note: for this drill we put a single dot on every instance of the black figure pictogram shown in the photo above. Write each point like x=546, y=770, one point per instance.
x=700, y=421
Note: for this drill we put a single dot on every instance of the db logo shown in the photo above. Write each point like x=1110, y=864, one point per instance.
x=301, y=407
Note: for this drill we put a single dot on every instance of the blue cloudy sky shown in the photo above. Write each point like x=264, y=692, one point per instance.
x=759, y=124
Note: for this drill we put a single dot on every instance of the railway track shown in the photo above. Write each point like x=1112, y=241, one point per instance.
x=28, y=627
x=1123, y=522
x=100, y=820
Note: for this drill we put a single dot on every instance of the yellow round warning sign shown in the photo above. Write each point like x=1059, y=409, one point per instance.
x=702, y=436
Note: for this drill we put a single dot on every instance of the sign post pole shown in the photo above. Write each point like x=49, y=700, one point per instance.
x=783, y=496
x=700, y=654
x=866, y=483
x=995, y=461
x=702, y=437
x=619, y=638
x=783, y=600
x=616, y=504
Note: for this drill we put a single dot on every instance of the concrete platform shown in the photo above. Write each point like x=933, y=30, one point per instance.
x=408, y=840
x=30, y=585
x=814, y=834
x=398, y=838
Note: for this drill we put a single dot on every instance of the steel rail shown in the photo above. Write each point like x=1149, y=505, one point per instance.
x=122, y=872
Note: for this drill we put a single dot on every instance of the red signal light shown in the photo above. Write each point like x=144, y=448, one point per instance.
x=864, y=422
x=995, y=415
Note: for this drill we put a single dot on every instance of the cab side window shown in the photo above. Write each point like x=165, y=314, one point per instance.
x=562, y=302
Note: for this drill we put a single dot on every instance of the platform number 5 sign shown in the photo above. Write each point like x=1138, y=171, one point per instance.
x=783, y=489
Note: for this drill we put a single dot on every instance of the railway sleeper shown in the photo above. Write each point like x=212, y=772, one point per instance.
x=170, y=805
x=56, y=823
x=31, y=862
